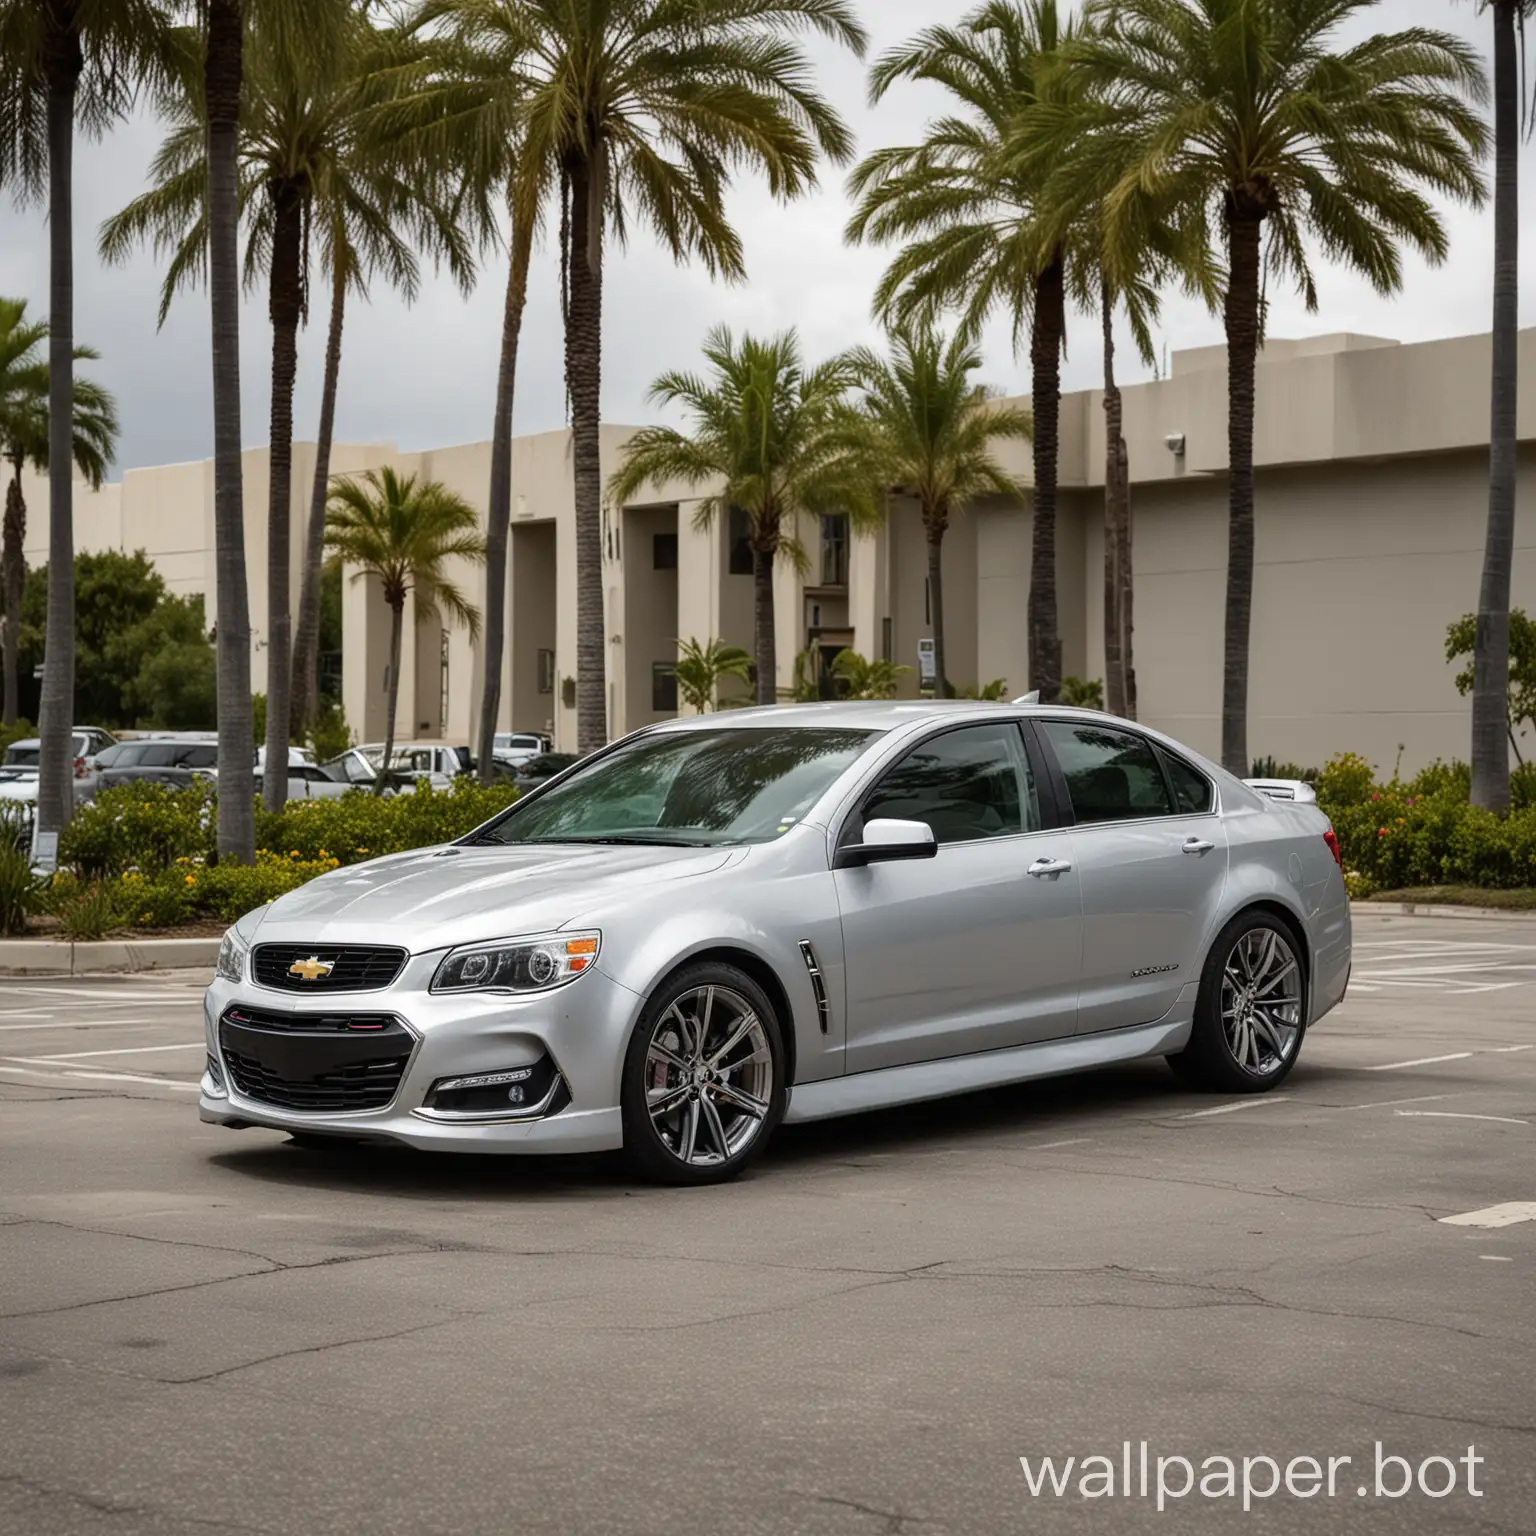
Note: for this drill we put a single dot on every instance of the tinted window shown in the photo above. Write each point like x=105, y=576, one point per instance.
x=1191, y=790
x=1111, y=775
x=201, y=755
x=965, y=785
x=691, y=787
x=21, y=757
x=157, y=754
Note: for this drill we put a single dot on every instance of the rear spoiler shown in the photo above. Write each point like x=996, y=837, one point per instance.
x=1296, y=790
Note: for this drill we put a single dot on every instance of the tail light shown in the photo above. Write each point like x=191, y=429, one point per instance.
x=1332, y=839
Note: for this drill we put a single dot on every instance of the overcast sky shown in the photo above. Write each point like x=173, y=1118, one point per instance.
x=424, y=376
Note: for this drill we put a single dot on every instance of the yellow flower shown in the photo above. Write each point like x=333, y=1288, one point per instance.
x=191, y=879
x=294, y=854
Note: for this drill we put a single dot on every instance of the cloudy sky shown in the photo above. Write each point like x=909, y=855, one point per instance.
x=424, y=376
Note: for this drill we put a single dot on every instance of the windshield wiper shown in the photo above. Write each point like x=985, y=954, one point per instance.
x=628, y=841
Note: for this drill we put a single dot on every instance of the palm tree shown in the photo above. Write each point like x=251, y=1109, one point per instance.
x=641, y=110
x=403, y=534
x=63, y=65
x=703, y=665
x=25, y=439
x=770, y=437
x=968, y=211
x=302, y=162
x=1490, y=671
x=1249, y=112
x=931, y=431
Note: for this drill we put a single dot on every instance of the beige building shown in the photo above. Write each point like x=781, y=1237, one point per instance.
x=1372, y=496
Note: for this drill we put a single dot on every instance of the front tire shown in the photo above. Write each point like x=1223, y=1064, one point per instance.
x=703, y=1085
x=1250, y=1014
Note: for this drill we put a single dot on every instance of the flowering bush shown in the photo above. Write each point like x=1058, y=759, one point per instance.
x=1423, y=831
x=139, y=826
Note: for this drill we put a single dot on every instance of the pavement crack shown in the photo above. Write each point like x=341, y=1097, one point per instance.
x=1439, y=1418
x=314, y=1349
x=894, y=1521
x=104, y=1506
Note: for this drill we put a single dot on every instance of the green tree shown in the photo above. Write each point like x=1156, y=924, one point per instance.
x=931, y=431
x=703, y=665
x=1520, y=682
x=25, y=440
x=404, y=533
x=769, y=436
x=966, y=210
x=642, y=110
x=860, y=678
x=306, y=162
x=1494, y=655
x=65, y=64
x=172, y=665
x=1251, y=113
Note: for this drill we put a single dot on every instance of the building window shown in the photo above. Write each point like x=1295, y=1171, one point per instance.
x=442, y=702
x=546, y=671
x=663, y=688
x=663, y=551
x=885, y=638
x=834, y=551
x=740, y=534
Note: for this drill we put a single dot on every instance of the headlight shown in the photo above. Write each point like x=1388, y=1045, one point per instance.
x=517, y=965
x=231, y=962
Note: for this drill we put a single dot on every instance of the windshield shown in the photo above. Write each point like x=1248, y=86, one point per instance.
x=689, y=788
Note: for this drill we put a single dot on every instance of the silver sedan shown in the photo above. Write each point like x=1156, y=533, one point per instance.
x=723, y=923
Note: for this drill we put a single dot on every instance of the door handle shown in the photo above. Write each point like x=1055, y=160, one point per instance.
x=1044, y=868
x=1197, y=845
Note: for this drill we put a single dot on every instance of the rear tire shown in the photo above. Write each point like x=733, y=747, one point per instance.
x=703, y=1085
x=1250, y=1014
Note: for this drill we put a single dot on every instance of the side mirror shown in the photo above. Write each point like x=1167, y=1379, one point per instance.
x=886, y=839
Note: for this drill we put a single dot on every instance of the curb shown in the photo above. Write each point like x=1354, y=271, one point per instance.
x=1424, y=909
x=58, y=957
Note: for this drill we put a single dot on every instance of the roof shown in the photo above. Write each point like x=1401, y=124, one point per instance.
x=856, y=714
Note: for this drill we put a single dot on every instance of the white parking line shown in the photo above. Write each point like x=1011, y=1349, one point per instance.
x=86, y=1024
x=1419, y=1061
x=1423, y=1098
x=122, y=1050
x=1446, y=1114
x=65, y=1073
x=1508, y=1050
x=1228, y=1109
x=1509, y=1214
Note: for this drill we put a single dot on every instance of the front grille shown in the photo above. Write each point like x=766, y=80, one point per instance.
x=354, y=967
x=363, y=1085
x=319, y=1063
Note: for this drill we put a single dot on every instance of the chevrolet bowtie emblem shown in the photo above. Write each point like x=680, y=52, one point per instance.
x=312, y=969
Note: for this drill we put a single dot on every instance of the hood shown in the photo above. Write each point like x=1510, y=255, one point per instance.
x=432, y=898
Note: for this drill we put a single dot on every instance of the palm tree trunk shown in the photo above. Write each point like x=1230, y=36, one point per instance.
x=934, y=524
x=396, y=625
x=583, y=372
x=56, y=789
x=237, y=748
x=1049, y=329
x=1127, y=588
x=499, y=516
x=765, y=654
x=1244, y=224
x=1114, y=659
x=305, y=701
x=1490, y=663
x=13, y=576
x=286, y=304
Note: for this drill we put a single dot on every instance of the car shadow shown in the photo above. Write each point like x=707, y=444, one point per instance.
x=1063, y=1106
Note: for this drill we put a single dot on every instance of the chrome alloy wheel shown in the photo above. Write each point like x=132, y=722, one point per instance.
x=1261, y=1001
x=708, y=1076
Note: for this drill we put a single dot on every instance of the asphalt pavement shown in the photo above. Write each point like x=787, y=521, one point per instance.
x=206, y=1330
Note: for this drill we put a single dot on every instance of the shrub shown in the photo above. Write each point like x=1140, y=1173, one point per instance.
x=1268, y=768
x=1347, y=779
x=87, y=911
x=139, y=826
x=20, y=889
x=229, y=891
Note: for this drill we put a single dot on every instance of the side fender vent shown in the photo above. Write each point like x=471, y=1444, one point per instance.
x=818, y=986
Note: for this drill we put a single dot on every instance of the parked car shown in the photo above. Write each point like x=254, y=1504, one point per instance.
x=89, y=740
x=727, y=921
x=435, y=761
x=175, y=761
x=519, y=747
x=539, y=770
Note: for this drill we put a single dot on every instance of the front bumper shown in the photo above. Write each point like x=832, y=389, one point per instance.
x=583, y=1028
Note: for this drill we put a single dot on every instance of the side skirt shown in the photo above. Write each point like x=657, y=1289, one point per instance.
x=988, y=1069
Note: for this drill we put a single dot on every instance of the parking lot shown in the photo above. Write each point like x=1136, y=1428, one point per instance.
x=208, y=1330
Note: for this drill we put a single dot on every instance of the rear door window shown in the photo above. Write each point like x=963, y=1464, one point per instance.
x=1192, y=791
x=1111, y=775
